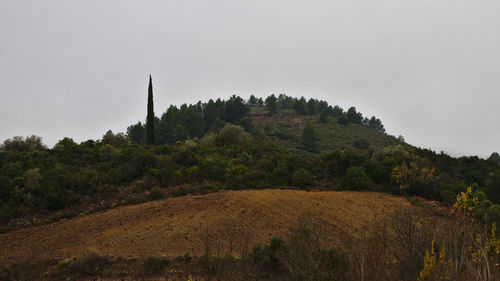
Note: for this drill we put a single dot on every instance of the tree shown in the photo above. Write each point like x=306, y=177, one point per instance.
x=312, y=108
x=342, y=120
x=303, y=178
x=271, y=105
x=150, y=118
x=235, y=109
x=115, y=140
x=376, y=124
x=495, y=157
x=353, y=116
x=252, y=100
x=231, y=134
x=136, y=133
x=337, y=112
x=323, y=116
x=19, y=143
x=301, y=106
x=356, y=179
x=310, y=139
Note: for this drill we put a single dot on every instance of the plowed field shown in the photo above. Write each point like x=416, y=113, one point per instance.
x=174, y=226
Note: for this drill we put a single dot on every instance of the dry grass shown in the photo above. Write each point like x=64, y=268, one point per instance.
x=173, y=226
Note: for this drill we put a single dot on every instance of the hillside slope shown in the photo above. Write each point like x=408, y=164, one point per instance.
x=174, y=226
x=287, y=127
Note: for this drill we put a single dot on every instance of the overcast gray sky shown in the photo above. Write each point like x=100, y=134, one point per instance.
x=429, y=69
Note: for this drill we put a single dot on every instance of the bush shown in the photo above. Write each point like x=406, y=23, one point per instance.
x=343, y=120
x=156, y=194
x=361, y=144
x=356, y=179
x=153, y=265
x=303, y=178
x=231, y=134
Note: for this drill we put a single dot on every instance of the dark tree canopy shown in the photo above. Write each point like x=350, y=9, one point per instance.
x=310, y=139
x=495, y=157
x=150, y=118
x=376, y=124
x=353, y=116
x=137, y=133
x=312, y=108
x=301, y=106
x=337, y=112
x=19, y=143
x=252, y=100
x=271, y=105
x=323, y=116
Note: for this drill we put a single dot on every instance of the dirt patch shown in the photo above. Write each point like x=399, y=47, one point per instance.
x=177, y=226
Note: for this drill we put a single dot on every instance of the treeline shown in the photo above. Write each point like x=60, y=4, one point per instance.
x=194, y=120
x=36, y=179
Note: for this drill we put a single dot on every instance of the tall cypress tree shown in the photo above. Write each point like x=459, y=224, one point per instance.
x=150, y=119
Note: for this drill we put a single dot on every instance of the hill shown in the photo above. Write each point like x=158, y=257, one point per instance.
x=287, y=127
x=175, y=226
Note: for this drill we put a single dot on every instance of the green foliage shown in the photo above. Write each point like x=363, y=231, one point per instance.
x=252, y=100
x=115, y=140
x=271, y=104
x=337, y=112
x=154, y=265
x=495, y=158
x=267, y=257
x=20, y=144
x=156, y=194
x=231, y=134
x=323, y=116
x=310, y=139
x=301, y=106
x=342, y=120
x=356, y=179
x=361, y=144
x=312, y=107
x=137, y=133
x=353, y=116
x=303, y=178
x=150, y=118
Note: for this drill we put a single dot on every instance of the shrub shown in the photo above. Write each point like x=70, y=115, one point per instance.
x=156, y=194
x=231, y=134
x=343, y=120
x=303, y=178
x=153, y=265
x=310, y=139
x=356, y=179
x=361, y=144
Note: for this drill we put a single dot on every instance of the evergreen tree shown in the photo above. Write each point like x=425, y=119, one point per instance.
x=375, y=124
x=301, y=106
x=310, y=139
x=312, y=108
x=337, y=112
x=150, y=118
x=323, y=116
x=271, y=105
x=253, y=100
x=136, y=133
x=353, y=116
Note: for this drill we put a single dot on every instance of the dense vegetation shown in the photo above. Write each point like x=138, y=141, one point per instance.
x=236, y=144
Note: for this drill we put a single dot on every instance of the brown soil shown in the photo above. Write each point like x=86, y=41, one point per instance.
x=175, y=226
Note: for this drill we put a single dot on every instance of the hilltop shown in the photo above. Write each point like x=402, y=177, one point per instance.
x=286, y=127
